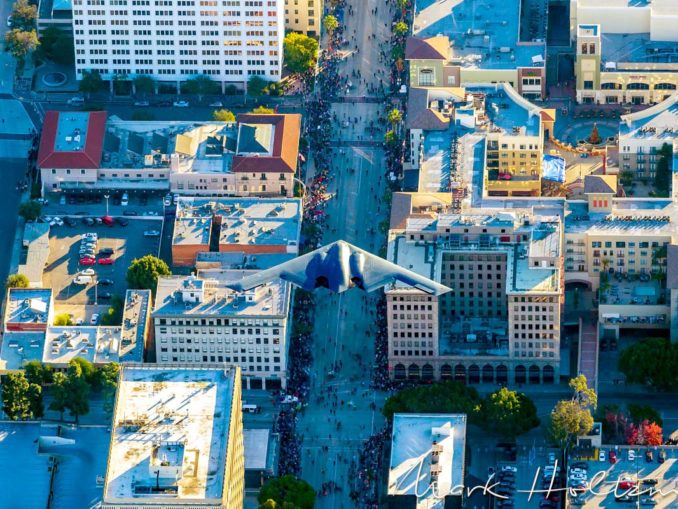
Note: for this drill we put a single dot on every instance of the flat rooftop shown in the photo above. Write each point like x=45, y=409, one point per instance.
x=94, y=344
x=659, y=122
x=479, y=41
x=28, y=306
x=415, y=438
x=21, y=347
x=256, y=444
x=629, y=216
x=511, y=113
x=527, y=279
x=71, y=133
x=179, y=407
x=179, y=295
x=135, y=320
x=204, y=147
x=545, y=241
x=636, y=49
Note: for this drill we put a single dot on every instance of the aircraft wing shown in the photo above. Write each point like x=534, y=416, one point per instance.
x=293, y=271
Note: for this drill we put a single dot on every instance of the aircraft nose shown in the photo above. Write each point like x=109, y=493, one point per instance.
x=322, y=281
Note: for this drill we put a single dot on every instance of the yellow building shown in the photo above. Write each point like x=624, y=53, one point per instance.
x=176, y=438
x=303, y=16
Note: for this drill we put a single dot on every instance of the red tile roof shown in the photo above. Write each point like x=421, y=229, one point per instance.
x=285, y=145
x=88, y=158
x=433, y=48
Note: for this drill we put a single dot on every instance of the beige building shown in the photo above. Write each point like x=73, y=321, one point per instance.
x=304, y=16
x=501, y=322
x=198, y=320
x=643, y=134
x=625, y=50
x=176, y=438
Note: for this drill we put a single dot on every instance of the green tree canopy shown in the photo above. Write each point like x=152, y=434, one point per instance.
x=144, y=272
x=113, y=315
x=16, y=281
x=223, y=116
x=652, y=361
x=91, y=82
x=395, y=116
x=263, y=110
x=30, y=210
x=300, y=52
x=201, y=85
x=144, y=84
x=63, y=51
x=20, y=399
x=59, y=393
x=442, y=397
x=572, y=418
x=63, y=319
x=509, y=413
x=256, y=86
x=400, y=29
x=78, y=377
x=38, y=373
x=640, y=413
x=24, y=15
x=286, y=492
x=20, y=43
x=330, y=23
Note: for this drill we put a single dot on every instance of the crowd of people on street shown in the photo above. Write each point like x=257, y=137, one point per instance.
x=290, y=444
x=366, y=474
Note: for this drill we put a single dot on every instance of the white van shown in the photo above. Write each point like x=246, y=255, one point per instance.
x=82, y=280
x=76, y=101
x=250, y=409
x=125, y=200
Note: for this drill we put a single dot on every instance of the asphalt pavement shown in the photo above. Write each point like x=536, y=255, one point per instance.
x=343, y=411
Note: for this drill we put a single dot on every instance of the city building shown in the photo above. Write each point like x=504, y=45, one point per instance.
x=625, y=50
x=55, y=13
x=304, y=16
x=643, y=134
x=489, y=130
x=619, y=247
x=245, y=227
x=501, y=322
x=35, y=253
x=261, y=458
x=256, y=156
x=453, y=45
x=427, y=461
x=174, y=42
x=176, y=438
x=199, y=319
x=28, y=309
x=56, y=346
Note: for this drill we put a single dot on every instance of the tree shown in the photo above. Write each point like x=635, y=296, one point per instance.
x=640, y=413
x=572, y=418
x=113, y=315
x=16, y=402
x=24, y=15
x=16, y=281
x=288, y=492
x=63, y=50
x=144, y=84
x=400, y=29
x=662, y=178
x=594, y=137
x=36, y=405
x=20, y=43
x=509, y=413
x=144, y=272
x=30, y=210
x=200, y=86
x=256, y=86
x=441, y=397
x=651, y=361
x=645, y=433
x=300, y=52
x=263, y=110
x=38, y=373
x=223, y=116
x=59, y=393
x=395, y=116
x=63, y=320
x=330, y=23
x=91, y=82
x=78, y=385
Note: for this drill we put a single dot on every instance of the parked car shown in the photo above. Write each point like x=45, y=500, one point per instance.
x=552, y=458
x=217, y=104
x=124, y=200
x=626, y=484
x=62, y=199
x=180, y=104
x=141, y=103
x=650, y=481
x=98, y=220
x=152, y=233
x=122, y=221
x=509, y=468
x=94, y=319
x=168, y=200
x=107, y=220
x=106, y=282
x=82, y=280
x=162, y=103
x=632, y=455
x=106, y=251
x=648, y=501
x=661, y=456
x=130, y=213
x=9, y=21
x=105, y=261
x=70, y=221
x=87, y=261
x=87, y=221
x=90, y=235
x=613, y=457
x=648, y=456
x=87, y=272
x=105, y=295
x=601, y=455
x=76, y=101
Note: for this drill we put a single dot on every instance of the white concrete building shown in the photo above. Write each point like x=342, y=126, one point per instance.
x=176, y=41
x=199, y=320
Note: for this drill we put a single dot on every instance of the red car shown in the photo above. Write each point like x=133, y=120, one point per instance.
x=87, y=261
x=613, y=457
x=106, y=261
x=505, y=176
x=553, y=497
x=626, y=485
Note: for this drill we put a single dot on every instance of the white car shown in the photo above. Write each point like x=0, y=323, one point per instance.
x=124, y=201
x=181, y=104
x=87, y=272
x=79, y=321
x=151, y=233
x=168, y=200
x=216, y=104
x=632, y=455
x=48, y=219
x=59, y=221
x=62, y=200
x=9, y=21
x=509, y=468
x=95, y=319
x=552, y=458
x=601, y=455
x=140, y=103
x=92, y=236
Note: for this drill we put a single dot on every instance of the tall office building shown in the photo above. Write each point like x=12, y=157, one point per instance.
x=303, y=16
x=173, y=41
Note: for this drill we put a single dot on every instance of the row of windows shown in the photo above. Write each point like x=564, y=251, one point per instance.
x=397, y=334
x=622, y=244
x=412, y=353
x=216, y=358
x=222, y=340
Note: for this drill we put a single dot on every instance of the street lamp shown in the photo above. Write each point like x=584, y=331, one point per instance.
x=106, y=197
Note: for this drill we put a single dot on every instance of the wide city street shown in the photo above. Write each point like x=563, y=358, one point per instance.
x=343, y=411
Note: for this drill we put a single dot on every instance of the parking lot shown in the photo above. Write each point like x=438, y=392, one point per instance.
x=63, y=265
x=646, y=481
